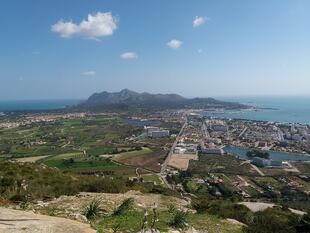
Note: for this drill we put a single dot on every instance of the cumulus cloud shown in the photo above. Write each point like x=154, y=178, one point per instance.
x=97, y=25
x=129, y=56
x=174, y=44
x=198, y=21
x=89, y=73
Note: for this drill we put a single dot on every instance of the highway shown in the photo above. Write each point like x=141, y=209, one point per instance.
x=163, y=170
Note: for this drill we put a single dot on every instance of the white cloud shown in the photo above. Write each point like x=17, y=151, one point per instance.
x=198, y=21
x=174, y=44
x=129, y=56
x=89, y=73
x=97, y=25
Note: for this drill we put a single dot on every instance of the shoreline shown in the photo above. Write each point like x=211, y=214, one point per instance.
x=222, y=115
x=271, y=151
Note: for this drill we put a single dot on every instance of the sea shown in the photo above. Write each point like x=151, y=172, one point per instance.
x=7, y=106
x=290, y=109
x=286, y=109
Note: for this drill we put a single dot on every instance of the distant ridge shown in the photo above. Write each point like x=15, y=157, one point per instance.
x=127, y=99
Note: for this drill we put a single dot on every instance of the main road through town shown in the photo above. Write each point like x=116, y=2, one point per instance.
x=163, y=171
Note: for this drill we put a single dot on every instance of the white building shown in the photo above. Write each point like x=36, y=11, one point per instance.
x=160, y=133
x=215, y=151
x=218, y=125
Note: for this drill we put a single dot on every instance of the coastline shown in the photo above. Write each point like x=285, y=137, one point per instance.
x=269, y=151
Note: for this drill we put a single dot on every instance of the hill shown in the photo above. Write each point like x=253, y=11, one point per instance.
x=127, y=99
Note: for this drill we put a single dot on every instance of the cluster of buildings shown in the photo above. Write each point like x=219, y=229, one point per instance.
x=215, y=134
x=286, y=137
x=261, y=162
x=296, y=132
x=212, y=131
x=185, y=148
x=215, y=125
x=8, y=125
x=37, y=118
x=156, y=132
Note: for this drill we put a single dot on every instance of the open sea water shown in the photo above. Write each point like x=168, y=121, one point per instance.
x=289, y=109
x=6, y=106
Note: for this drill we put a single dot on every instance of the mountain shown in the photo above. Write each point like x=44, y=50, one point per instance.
x=127, y=99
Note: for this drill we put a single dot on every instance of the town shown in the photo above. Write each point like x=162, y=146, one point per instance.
x=259, y=164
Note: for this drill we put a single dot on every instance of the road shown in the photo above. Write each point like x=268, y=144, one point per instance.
x=166, y=162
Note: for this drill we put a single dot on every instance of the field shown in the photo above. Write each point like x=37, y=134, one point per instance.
x=181, y=161
x=77, y=162
x=221, y=164
x=303, y=167
x=152, y=178
x=89, y=144
x=79, y=145
x=96, y=135
x=148, y=158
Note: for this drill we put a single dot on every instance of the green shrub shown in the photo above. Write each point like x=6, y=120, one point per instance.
x=224, y=209
x=179, y=219
x=172, y=208
x=24, y=205
x=273, y=220
x=51, y=211
x=92, y=210
x=124, y=207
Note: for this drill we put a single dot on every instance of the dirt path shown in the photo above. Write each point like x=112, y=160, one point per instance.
x=258, y=170
x=32, y=159
x=261, y=206
x=16, y=221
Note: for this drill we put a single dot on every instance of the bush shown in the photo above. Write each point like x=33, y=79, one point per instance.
x=304, y=224
x=258, y=153
x=92, y=210
x=224, y=209
x=172, y=208
x=201, y=205
x=179, y=219
x=124, y=207
x=273, y=220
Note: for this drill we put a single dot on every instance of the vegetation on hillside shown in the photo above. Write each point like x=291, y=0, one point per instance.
x=27, y=182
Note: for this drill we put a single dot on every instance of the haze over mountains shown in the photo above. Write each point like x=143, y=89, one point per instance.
x=127, y=99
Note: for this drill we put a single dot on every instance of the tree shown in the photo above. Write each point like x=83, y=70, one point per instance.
x=258, y=153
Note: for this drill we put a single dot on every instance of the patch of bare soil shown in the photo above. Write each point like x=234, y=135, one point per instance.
x=32, y=159
x=181, y=161
x=16, y=221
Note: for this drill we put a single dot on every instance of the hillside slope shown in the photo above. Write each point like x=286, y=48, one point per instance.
x=14, y=221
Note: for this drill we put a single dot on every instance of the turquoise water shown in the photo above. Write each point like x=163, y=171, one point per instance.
x=35, y=104
x=289, y=109
x=274, y=155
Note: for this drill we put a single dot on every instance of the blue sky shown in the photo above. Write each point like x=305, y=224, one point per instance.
x=235, y=48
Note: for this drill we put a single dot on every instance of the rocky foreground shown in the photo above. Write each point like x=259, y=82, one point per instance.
x=69, y=210
x=16, y=221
